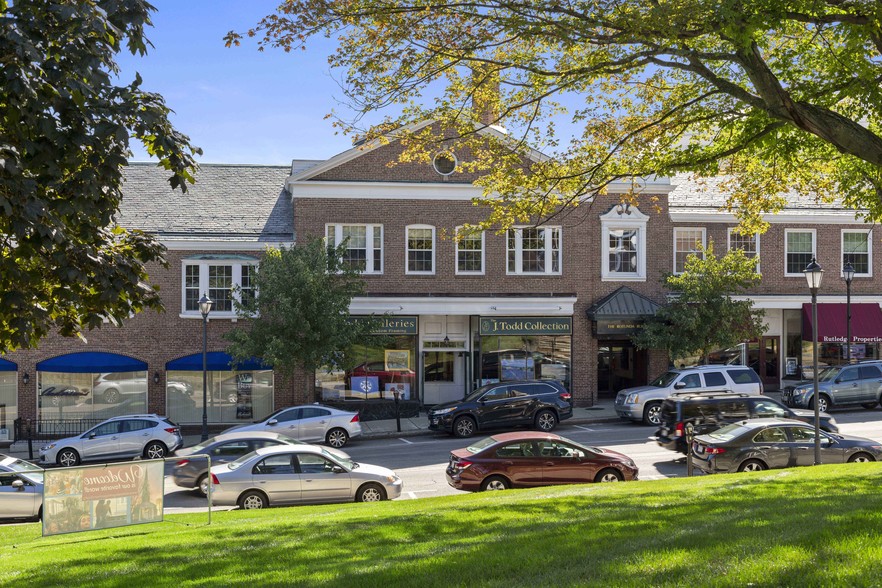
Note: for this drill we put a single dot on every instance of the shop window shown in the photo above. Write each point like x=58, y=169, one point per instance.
x=469, y=252
x=420, y=249
x=90, y=396
x=623, y=245
x=749, y=244
x=533, y=250
x=218, y=277
x=800, y=250
x=857, y=249
x=364, y=246
x=8, y=403
x=687, y=241
x=373, y=372
x=231, y=397
x=514, y=357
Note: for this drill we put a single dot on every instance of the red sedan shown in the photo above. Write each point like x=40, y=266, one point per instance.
x=528, y=459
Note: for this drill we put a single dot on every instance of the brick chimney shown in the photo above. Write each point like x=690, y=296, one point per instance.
x=485, y=96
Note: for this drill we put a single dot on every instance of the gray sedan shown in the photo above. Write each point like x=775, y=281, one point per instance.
x=21, y=489
x=310, y=422
x=299, y=475
x=761, y=444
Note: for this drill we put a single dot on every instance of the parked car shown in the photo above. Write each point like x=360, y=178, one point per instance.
x=540, y=403
x=286, y=474
x=707, y=412
x=112, y=386
x=138, y=435
x=643, y=403
x=528, y=459
x=310, y=422
x=21, y=489
x=762, y=444
x=842, y=385
x=193, y=473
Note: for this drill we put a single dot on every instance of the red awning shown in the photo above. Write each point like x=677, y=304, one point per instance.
x=866, y=322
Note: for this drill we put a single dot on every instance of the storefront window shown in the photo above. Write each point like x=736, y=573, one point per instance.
x=377, y=371
x=232, y=396
x=99, y=396
x=524, y=357
x=8, y=403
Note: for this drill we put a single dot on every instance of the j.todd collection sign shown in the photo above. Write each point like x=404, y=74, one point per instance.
x=392, y=325
x=540, y=325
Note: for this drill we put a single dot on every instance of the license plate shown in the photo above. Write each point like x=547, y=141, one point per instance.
x=434, y=421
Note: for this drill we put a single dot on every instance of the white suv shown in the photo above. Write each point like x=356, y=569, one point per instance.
x=137, y=435
x=643, y=403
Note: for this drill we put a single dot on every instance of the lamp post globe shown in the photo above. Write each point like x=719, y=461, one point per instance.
x=813, y=275
x=205, y=308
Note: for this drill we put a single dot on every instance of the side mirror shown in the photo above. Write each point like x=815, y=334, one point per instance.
x=827, y=440
x=679, y=385
x=91, y=435
x=18, y=485
x=272, y=422
x=338, y=470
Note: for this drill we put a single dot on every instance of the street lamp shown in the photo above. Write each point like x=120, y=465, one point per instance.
x=205, y=308
x=813, y=275
x=848, y=272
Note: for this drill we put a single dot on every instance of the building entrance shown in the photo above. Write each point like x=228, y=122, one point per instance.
x=620, y=365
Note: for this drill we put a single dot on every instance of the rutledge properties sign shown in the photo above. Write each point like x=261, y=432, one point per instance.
x=98, y=497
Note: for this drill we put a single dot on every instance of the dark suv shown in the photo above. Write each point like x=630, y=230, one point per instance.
x=541, y=403
x=708, y=412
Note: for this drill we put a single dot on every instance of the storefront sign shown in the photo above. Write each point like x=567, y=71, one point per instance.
x=244, y=404
x=82, y=499
x=392, y=325
x=554, y=325
x=618, y=327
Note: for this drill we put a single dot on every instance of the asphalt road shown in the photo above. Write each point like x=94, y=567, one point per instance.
x=420, y=461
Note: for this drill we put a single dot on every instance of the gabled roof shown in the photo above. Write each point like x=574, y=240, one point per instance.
x=624, y=302
x=238, y=203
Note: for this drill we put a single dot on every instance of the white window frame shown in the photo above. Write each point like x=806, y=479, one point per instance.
x=786, y=252
x=407, y=250
x=756, y=237
x=546, y=245
x=869, y=235
x=369, y=243
x=677, y=230
x=630, y=219
x=236, y=263
x=460, y=272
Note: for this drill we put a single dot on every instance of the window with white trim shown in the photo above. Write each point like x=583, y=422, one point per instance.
x=623, y=246
x=533, y=250
x=222, y=278
x=687, y=241
x=364, y=246
x=469, y=252
x=799, y=250
x=749, y=244
x=420, y=249
x=857, y=248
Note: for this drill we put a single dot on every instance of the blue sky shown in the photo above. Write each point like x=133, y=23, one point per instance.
x=238, y=104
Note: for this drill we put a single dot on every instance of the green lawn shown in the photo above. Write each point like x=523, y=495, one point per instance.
x=819, y=526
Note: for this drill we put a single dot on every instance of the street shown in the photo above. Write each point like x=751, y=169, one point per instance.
x=421, y=461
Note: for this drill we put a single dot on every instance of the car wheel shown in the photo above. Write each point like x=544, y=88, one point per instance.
x=370, y=493
x=253, y=500
x=869, y=405
x=155, y=450
x=202, y=485
x=860, y=458
x=337, y=438
x=495, y=483
x=464, y=426
x=39, y=516
x=752, y=465
x=609, y=475
x=68, y=458
x=546, y=420
x=823, y=403
x=652, y=414
x=111, y=396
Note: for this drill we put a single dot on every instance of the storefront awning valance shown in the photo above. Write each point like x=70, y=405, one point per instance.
x=218, y=361
x=7, y=366
x=91, y=362
x=866, y=322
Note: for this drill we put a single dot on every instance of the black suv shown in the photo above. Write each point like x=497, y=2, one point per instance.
x=710, y=411
x=541, y=403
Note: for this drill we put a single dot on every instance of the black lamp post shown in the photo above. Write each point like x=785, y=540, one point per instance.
x=813, y=275
x=205, y=308
x=848, y=272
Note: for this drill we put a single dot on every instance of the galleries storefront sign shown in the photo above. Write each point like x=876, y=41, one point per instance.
x=98, y=497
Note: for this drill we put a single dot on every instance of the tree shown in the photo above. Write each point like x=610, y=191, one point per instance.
x=777, y=96
x=299, y=316
x=64, y=140
x=702, y=316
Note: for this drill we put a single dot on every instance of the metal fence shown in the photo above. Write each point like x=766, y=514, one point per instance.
x=49, y=429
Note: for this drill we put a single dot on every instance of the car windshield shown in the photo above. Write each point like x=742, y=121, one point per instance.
x=235, y=465
x=729, y=432
x=664, y=380
x=19, y=465
x=481, y=445
x=584, y=447
x=343, y=461
x=479, y=392
x=828, y=374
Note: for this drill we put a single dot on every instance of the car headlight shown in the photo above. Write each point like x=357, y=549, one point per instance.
x=392, y=479
x=443, y=411
x=632, y=398
x=48, y=447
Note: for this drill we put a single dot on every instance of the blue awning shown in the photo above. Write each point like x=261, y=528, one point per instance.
x=7, y=366
x=91, y=362
x=218, y=361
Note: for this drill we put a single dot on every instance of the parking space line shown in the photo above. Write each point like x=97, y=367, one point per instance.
x=406, y=441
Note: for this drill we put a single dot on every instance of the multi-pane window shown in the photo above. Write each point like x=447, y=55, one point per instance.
x=687, y=241
x=191, y=287
x=246, y=287
x=420, y=250
x=749, y=244
x=220, y=287
x=623, y=244
x=364, y=246
x=856, y=249
x=624, y=251
x=470, y=252
x=218, y=278
x=800, y=250
x=534, y=250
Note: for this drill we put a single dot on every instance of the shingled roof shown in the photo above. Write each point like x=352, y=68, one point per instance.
x=707, y=194
x=227, y=203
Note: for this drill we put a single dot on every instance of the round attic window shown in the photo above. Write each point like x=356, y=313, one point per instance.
x=444, y=163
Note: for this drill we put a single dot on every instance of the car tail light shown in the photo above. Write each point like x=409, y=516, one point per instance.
x=679, y=430
x=354, y=419
x=461, y=464
x=714, y=450
x=566, y=396
x=182, y=463
x=214, y=480
x=172, y=430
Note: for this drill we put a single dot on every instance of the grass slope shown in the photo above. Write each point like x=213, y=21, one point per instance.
x=819, y=526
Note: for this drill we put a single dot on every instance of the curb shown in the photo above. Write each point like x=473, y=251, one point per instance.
x=427, y=432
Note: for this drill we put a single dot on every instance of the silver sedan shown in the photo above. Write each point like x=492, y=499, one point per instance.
x=21, y=489
x=288, y=474
x=309, y=422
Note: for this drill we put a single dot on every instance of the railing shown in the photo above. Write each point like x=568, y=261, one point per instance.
x=40, y=430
